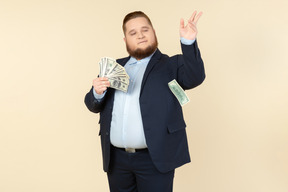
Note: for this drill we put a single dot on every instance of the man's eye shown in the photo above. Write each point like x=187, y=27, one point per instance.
x=132, y=34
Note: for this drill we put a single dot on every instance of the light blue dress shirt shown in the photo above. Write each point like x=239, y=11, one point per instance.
x=126, y=125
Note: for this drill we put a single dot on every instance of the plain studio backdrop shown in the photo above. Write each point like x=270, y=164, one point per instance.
x=236, y=120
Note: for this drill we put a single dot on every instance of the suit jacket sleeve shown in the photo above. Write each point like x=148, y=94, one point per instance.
x=93, y=104
x=190, y=70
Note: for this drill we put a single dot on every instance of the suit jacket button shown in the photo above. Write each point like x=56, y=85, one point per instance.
x=107, y=133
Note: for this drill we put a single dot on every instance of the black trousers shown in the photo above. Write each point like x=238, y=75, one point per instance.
x=135, y=172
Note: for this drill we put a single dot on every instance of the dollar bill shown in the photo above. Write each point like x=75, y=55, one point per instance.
x=102, y=64
x=116, y=74
x=117, y=84
x=118, y=70
x=178, y=92
x=111, y=64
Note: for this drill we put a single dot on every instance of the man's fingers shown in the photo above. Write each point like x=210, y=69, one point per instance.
x=181, y=23
x=101, y=82
x=100, y=79
x=193, y=16
x=197, y=17
x=192, y=20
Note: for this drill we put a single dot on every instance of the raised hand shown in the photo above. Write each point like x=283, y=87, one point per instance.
x=190, y=30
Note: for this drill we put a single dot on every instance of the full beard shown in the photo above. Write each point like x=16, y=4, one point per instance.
x=142, y=53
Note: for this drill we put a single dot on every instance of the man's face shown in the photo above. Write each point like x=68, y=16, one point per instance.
x=140, y=38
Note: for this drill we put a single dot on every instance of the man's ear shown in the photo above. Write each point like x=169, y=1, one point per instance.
x=124, y=38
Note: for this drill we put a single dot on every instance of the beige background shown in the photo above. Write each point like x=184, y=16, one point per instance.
x=236, y=121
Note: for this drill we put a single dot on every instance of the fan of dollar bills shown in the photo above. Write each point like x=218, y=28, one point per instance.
x=115, y=73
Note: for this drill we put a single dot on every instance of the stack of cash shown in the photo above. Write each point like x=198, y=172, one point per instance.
x=115, y=73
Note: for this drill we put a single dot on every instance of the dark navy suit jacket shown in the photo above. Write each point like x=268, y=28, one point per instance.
x=162, y=115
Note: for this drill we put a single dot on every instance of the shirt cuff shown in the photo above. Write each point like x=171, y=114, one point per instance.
x=187, y=41
x=97, y=96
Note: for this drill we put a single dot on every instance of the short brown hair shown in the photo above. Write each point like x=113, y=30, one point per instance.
x=134, y=15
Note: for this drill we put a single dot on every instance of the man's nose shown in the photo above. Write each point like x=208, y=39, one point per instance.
x=140, y=35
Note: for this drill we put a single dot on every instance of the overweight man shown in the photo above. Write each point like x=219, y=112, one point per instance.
x=143, y=136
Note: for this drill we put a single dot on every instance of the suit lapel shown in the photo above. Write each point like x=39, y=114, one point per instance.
x=123, y=61
x=155, y=58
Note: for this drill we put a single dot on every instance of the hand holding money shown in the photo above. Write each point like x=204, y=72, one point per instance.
x=115, y=74
x=100, y=84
